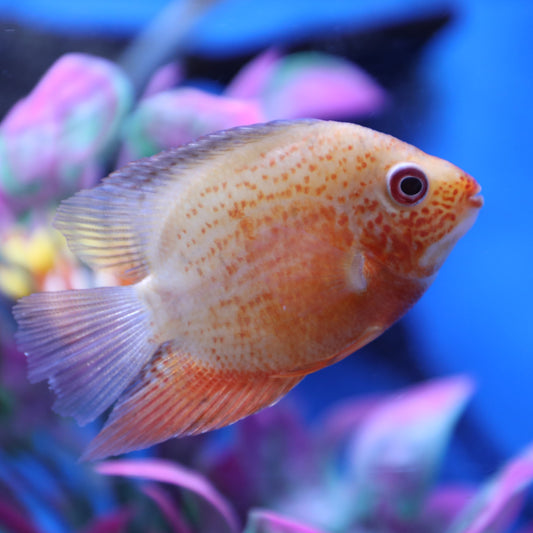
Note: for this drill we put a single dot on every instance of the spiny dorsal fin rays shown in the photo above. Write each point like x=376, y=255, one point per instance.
x=108, y=227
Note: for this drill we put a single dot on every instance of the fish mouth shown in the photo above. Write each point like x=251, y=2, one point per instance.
x=475, y=199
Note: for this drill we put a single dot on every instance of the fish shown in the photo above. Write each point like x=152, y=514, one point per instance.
x=246, y=260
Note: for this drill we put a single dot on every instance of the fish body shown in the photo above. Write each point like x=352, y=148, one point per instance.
x=252, y=257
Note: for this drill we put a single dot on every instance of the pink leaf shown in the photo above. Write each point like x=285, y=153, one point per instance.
x=252, y=79
x=164, y=78
x=399, y=445
x=312, y=84
x=496, y=505
x=169, y=472
x=50, y=137
x=263, y=521
x=178, y=116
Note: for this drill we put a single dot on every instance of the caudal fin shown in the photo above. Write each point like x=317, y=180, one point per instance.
x=90, y=345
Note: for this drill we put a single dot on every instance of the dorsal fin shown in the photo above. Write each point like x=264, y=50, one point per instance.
x=108, y=227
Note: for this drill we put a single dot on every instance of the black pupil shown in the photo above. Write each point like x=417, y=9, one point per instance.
x=410, y=185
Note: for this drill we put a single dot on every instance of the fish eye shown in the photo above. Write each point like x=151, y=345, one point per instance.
x=407, y=183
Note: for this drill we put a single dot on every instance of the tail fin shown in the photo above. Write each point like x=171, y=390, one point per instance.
x=90, y=344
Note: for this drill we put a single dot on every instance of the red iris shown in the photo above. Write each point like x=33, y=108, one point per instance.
x=408, y=184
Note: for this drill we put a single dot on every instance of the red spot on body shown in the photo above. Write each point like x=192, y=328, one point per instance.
x=235, y=212
x=343, y=219
x=420, y=222
x=328, y=212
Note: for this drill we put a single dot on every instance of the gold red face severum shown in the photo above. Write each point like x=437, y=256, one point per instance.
x=248, y=259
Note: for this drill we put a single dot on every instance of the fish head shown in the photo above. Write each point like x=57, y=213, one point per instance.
x=422, y=206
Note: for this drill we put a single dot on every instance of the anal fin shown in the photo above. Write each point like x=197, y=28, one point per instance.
x=178, y=395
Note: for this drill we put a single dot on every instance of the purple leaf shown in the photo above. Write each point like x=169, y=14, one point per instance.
x=444, y=505
x=395, y=453
x=496, y=505
x=51, y=140
x=263, y=521
x=175, y=117
x=312, y=84
x=169, y=472
x=343, y=420
x=272, y=454
x=162, y=499
x=14, y=521
x=115, y=522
